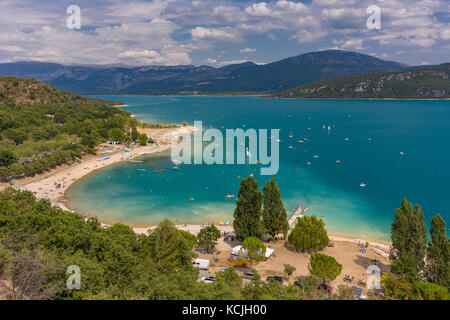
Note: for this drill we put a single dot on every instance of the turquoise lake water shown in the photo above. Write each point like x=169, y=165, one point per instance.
x=377, y=131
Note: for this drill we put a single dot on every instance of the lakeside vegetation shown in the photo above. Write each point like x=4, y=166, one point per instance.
x=419, y=83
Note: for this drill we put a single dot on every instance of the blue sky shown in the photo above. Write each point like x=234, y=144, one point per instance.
x=220, y=32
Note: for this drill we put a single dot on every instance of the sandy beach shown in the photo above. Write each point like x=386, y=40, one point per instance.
x=53, y=184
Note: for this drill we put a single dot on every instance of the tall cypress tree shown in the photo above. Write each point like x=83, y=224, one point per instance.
x=408, y=233
x=438, y=253
x=247, y=214
x=274, y=214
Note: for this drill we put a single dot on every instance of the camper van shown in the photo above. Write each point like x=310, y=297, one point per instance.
x=201, y=264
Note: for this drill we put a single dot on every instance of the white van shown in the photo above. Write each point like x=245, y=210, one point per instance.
x=201, y=264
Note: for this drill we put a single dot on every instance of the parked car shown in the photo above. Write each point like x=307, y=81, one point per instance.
x=208, y=279
x=248, y=275
x=326, y=287
x=348, y=278
x=276, y=278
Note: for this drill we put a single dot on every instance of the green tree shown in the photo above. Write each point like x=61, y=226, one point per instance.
x=255, y=248
x=438, y=253
x=289, y=269
x=208, y=236
x=274, y=214
x=135, y=134
x=430, y=291
x=18, y=135
x=324, y=267
x=396, y=286
x=309, y=234
x=6, y=158
x=190, y=238
x=168, y=249
x=247, y=214
x=116, y=134
x=88, y=140
x=143, y=139
x=409, y=236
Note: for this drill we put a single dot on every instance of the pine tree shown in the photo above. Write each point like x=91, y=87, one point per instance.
x=274, y=214
x=309, y=234
x=168, y=249
x=408, y=233
x=438, y=253
x=247, y=214
x=325, y=267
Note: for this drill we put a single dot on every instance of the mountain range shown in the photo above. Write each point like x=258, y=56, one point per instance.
x=245, y=78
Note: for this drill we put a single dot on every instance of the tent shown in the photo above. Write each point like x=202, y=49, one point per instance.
x=239, y=249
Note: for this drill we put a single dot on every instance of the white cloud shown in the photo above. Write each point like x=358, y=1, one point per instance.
x=11, y=48
x=247, y=50
x=177, y=31
x=139, y=53
x=223, y=34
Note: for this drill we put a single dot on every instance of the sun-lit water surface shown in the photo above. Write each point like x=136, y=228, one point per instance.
x=376, y=132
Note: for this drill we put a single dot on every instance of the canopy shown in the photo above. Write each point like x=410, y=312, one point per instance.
x=239, y=249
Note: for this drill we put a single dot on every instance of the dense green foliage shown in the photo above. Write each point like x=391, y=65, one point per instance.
x=274, y=214
x=38, y=242
x=247, y=214
x=395, y=286
x=255, y=248
x=207, y=237
x=309, y=234
x=41, y=127
x=324, y=267
x=424, y=83
x=399, y=288
x=409, y=237
x=413, y=263
x=438, y=253
x=142, y=138
x=190, y=238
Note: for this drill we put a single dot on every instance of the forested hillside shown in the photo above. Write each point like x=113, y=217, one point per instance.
x=419, y=83
x=41, y=127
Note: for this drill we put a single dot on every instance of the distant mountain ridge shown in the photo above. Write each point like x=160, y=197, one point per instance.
x=432, y=82
x=187, y=79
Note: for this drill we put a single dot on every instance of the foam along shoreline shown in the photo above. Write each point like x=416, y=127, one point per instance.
x=53, y=185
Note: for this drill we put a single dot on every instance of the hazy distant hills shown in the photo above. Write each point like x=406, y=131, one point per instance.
x=425, y=83
x=233, y=79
